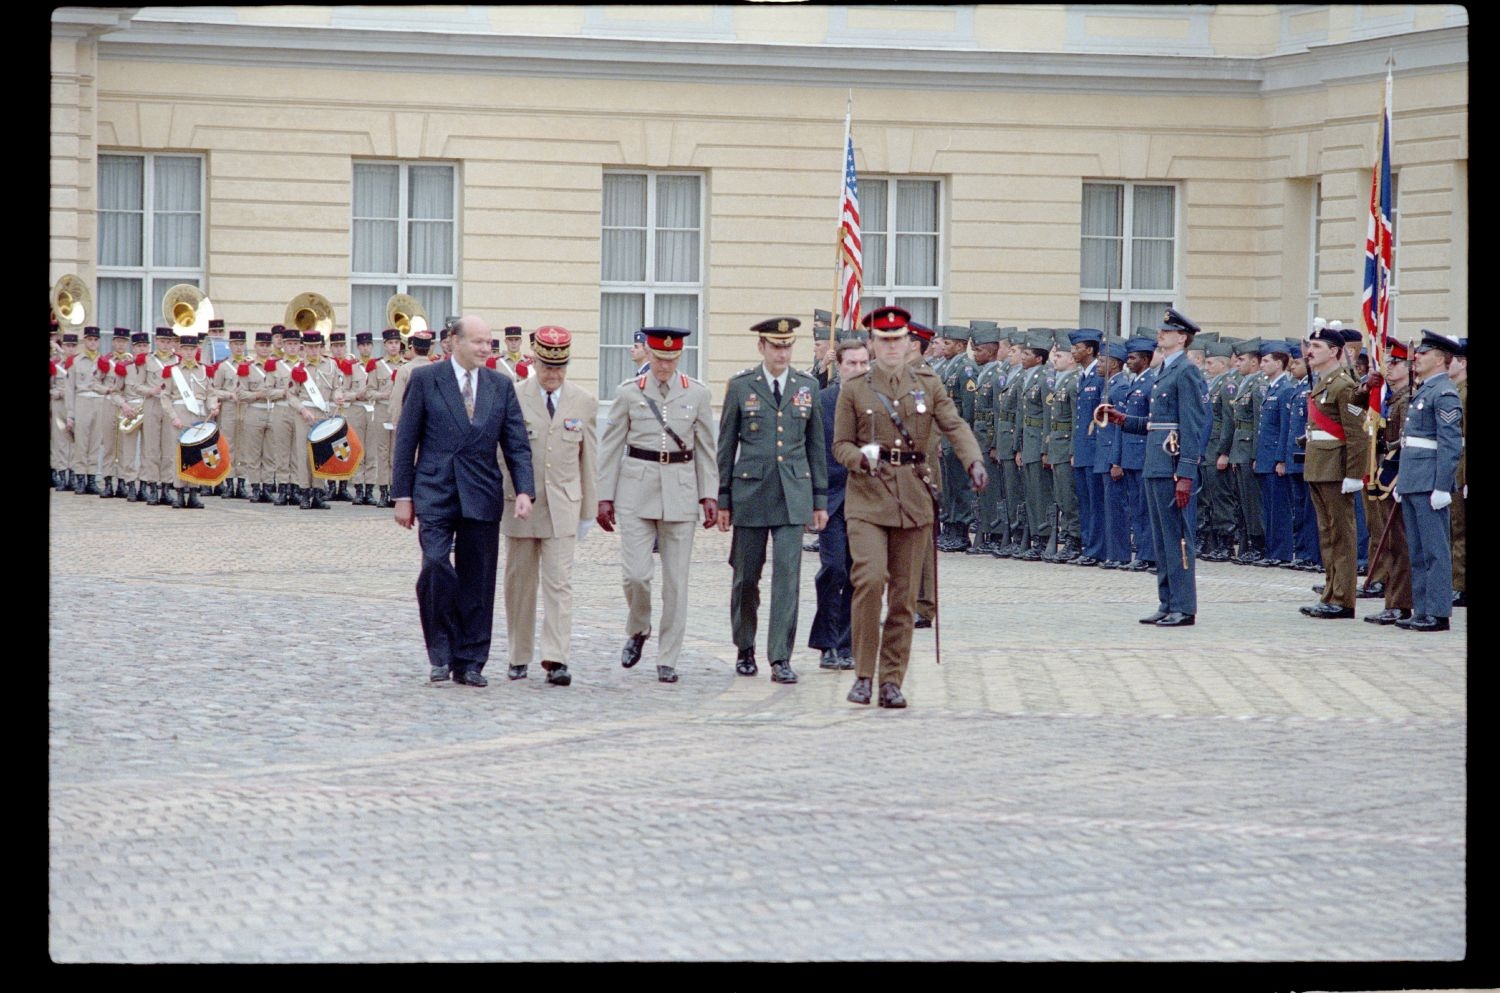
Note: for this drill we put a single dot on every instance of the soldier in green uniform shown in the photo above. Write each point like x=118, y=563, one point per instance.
x=961, y=381
x=1244, y=406
x=1057, y=447
x=773, y=482
x=1030, y=420
x=1007, y=406
x=988, y=507
x=1218, y=493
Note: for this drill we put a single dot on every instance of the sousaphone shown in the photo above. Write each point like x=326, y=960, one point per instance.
x=405, y=314
x=187, y=309
x=309, y=312
x=71, y=301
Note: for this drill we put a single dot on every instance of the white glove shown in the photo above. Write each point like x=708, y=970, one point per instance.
x=1441, y=499
x=1466, y=491
x=1395, y=496
x=1351, y=486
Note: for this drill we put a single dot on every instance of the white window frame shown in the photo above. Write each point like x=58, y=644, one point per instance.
x=1125, y=297
x=402, y=279
x=150, y=315
x=873, y=296
x=1315, y=252
x=649, y=286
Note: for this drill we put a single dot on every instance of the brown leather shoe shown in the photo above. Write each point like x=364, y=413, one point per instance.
x=890, y=696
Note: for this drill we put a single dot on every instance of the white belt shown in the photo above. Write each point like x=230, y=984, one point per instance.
x=267, y=404
x=1162, y=426
x=1419, y=443
x=90, y=393
x=1316, y=435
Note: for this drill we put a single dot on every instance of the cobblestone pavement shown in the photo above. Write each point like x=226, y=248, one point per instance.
x=263, y=773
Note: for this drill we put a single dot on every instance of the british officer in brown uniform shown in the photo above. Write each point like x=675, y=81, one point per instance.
x=882, y=428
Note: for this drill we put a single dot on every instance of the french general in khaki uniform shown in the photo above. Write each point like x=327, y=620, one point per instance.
x=882, y=430
x=539, y=549
x=656, y=468
x=773, y=482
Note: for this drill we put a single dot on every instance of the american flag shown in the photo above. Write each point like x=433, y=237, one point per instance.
x=1378, y=257
x=850, y=255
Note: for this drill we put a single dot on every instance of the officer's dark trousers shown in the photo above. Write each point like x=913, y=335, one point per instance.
x=830, y=625
x=1140, y=515
x=1089, y=486
x=1335, y=512
x=456, y=598
x=1217, y=499
x=1276, y=514
x=1429, y=543
x=747, y=554
x=1252, y=524
x=1304, y=522
x=1176, y=584
x=1116, y=520
x=1041, y=510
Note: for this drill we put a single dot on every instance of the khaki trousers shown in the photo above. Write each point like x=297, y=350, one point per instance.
x=89, y=415
x=675, y=544
x=158, y=445
x=229, y=429
x=360, y=423
x=1336, y=541
x=251, y=459
x=62, y=448
x=887, y=563
x=283, y=444
x=1458, y=529
x=547, y=562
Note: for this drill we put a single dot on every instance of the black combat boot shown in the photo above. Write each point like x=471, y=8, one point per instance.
x=192, y=498
x=304, y=499
x=239, y=489
x=107, y=492
x=339, y=492
x=319, y=498
x=385, y=498
x=181, y=501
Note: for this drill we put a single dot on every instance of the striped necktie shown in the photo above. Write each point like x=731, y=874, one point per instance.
x=469, y=393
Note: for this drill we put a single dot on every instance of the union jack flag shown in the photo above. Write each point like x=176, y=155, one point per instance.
x=1378, y=250
x=850, y=255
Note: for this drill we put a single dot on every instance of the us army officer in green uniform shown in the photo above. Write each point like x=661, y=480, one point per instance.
x=773, y=481
x=1057, y=447
x=989, y=509
x=1244, y=405
x=960, y=379
x=1030, y=414
x=1007, y=404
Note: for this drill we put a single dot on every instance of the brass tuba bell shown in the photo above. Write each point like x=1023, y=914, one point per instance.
x=71, y=301
x=130, y=419
x=187, y=309
x=405, y=314
x=309, y=312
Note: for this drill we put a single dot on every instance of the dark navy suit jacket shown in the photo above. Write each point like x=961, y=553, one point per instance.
x=838, y=476
x=448, y=466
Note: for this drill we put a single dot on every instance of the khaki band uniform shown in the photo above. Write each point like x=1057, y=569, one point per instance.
x=89, y=408
x=225, y=387
x=158, y=438
x=539, y=550
x=133, y=448
x=379, y=386
x=360, y=411
x=174, y=403
x=325, y=373
x=890, y=513
x=1329, y=462
x=278, y=456
x=658, y=501
x=62, y=446
x=115, y=461
x=252, y=461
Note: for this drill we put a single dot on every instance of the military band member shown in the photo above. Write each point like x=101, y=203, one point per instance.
x=1270, y=469
x=132, y=455
x=187, y=399
x=225, y=385
x=62, y=436
x=988, y=506
x=881, y=436
x=360, y=410
x=120, y=363
x=773, y=483
x=257, y=382
x=340, y=405
x=1334, y=469
x=88, y=412
x=316, y=386
x=655, y=472
x=285, y=421
x=423, y=353
x=539, y=550
x=513, y=355
x=1176, y=430
x=382, y=382
x=1057, y=448
x=1431, y=443
x=1393, y=562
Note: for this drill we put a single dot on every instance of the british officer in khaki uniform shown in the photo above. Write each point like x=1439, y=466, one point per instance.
x=656, y=468
x=882, y=429
x=773, y=482
x=1334, y=468
x=539, y=548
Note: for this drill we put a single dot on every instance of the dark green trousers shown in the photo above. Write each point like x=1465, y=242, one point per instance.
x=747, y=554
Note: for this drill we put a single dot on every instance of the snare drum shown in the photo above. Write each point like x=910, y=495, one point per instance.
x=202, y=455
x=334, y=448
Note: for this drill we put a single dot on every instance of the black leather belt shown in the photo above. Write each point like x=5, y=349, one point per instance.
x=896, y=456
x=665, y=458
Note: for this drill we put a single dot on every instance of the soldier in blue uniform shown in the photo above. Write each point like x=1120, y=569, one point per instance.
x=830, y=632
x=1270, y=469
x=1431, y=444
x=1304, y=520
x=1133, y=452
x=1176, y=433
x=1116, y=512
x=1087, y=485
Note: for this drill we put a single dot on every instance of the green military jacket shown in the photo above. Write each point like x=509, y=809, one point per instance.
x=961, y=381
x=773, y=463
x=1031, y=413
x=1007, y=410
x=983, y=421
x=1221, y=434
x=1246, y=409
x=1057, y=418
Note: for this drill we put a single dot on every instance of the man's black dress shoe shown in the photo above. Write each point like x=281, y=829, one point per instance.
x=1086, y=560
x=860, y=692
x=846, y=661
x=1155, y=617
x=781, y=672
x=631, y=653
x=517, y=672
x=1327, y=612
x=1371, y=592
x=1460, y=598
x=890, y=696
x=1389, y=616
x=922, y=622
x=439, y=674
x=1176, y=620
x=558, y=675
x=470, y=678
x=744, y=664
x=1269, y=563
x=1109, y=564
x=829, y=659
x=1427, y=623
x=1140, y=565
x=810, y=546
x=666, y=674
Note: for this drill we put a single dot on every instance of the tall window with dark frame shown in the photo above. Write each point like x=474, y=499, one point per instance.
x=901, y=222
x=1128, y=264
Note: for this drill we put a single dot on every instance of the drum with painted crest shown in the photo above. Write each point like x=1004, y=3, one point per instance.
x=202, y=455
x=334, y=448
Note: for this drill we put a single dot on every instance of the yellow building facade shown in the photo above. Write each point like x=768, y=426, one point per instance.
x=602, y=167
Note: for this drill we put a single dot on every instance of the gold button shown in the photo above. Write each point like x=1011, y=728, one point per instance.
x=779, y=429
x=779, y=458
x=778, y=444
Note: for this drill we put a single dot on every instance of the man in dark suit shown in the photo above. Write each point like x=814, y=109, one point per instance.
x=446, y=475
x=830, y=632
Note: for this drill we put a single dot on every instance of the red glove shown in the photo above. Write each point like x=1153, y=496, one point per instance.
x=299, y=374
x=270, y=365
x=1183, y=492
x=140, y=359
x=242, y=370
x=605, y=517
x=103, y=365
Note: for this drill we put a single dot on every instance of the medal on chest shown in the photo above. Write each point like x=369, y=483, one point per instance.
x=919, y=397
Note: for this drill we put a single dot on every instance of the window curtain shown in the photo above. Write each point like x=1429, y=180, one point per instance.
x=923, y=310
x=680, y=310
x=872, y=224
x=177, y=215
x=1148, y=314
x=621, y=315
x=677, y=229
x=916, y=233
x=436, y=300
x=623, y=251
x=367, y=307
x=1102, y=225
x=1152, y=229
x=119, y=304
x=121, y=210
x=430, y=204
x=1100, y=316
x=377, y=207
